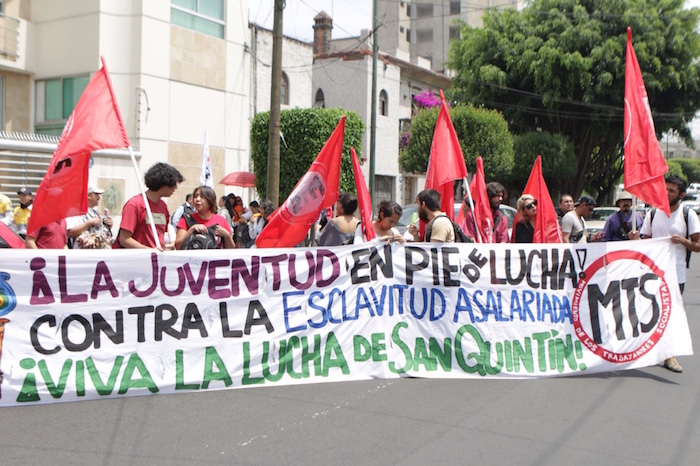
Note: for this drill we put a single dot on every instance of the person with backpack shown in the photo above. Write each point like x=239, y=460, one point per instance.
x=185, y=208
x=618, y=226
x=683, y=227
x=440, y=228
x=204, y=229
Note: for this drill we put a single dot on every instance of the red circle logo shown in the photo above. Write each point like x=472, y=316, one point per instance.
x=617, y=334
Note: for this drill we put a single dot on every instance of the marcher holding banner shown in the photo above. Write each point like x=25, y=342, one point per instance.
x=388, y=214
x=204, y=200
x=684, y=233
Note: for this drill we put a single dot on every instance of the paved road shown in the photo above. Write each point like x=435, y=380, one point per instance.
x=649, y=416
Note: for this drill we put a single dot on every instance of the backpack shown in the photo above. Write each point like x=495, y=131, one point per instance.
x=242, y=234
x=199, y=240
x=686, y=209
x=460, y=236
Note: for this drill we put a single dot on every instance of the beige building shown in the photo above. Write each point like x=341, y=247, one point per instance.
x=178, y=68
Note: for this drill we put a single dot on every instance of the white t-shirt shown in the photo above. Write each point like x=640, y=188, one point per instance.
x=573, y=224
x=675, y=225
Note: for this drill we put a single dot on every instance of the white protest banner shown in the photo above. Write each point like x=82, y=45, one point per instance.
x=82, y=324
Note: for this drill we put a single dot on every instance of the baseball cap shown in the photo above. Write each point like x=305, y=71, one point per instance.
x=93, y=189
x=588, y=200
x=25, y=190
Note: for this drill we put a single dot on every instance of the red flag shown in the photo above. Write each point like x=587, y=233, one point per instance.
x=547, y=228
x=482, y=209
x=446, y=162
x=11, y=238
x=94, y=124
x=645, y=166
x=363, y=199
x=316, y=190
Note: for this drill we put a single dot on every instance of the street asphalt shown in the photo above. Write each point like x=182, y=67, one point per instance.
x=647, y=416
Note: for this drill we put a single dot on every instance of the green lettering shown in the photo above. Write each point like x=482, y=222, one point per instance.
x=404, y=349
x=135, y=363
x=56, y=391
x=333, y=347
x=212, y=359
x=180, y=374
x=104, y=389
x=247, y=379
x=362, y=348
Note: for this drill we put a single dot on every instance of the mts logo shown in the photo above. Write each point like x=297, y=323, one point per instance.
x=619, y=292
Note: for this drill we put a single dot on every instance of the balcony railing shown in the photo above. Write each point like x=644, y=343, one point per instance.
x=9, y=37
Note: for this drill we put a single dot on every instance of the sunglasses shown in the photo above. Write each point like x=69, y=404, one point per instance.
x=531, y=205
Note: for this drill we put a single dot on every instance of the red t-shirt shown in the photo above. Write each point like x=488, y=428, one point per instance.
x=134, y=219
x=52, y=236
x=215, y=219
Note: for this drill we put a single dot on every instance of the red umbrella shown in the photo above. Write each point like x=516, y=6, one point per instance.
x=242, y=179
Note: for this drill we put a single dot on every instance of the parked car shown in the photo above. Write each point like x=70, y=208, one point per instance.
x=693, y=201
x=410, y=209
x=596, y=221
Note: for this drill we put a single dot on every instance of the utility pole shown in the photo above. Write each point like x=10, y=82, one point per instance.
x=373, y=118
x=273, y=140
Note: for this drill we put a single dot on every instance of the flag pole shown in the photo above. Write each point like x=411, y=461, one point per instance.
x=471, y=206
x=145, y=199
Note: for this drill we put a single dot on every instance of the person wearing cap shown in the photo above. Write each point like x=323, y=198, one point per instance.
x=22, y=212
x=573, y=223
x=90, y=230
x=618, y=226
x=6, y=214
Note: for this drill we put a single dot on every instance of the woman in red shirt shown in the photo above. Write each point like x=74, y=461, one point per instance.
x=204, y=201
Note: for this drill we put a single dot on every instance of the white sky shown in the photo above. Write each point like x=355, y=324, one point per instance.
x=349, y=16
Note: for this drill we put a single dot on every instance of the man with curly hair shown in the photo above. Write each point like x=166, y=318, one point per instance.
x=135, y=231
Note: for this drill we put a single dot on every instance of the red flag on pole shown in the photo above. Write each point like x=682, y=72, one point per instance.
x=94, y=124
x=446, y=162
x=316, y=190
x=547, y=228
x=645, y=166
x=481, y=215
x=363, y=199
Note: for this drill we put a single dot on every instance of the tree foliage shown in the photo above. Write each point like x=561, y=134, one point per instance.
x=689, y=169
x=559, y=66
x=480, y=132
x=558, y=159
x=305, y=132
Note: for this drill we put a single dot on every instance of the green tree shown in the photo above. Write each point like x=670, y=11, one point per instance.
x=690, y=169
x=558, y=159
x=305, y=132
x=559, y=66
x=480, y=132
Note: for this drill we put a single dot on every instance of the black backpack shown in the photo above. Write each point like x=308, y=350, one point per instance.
x=460, y=236
x=199, y=240
x=242, y=233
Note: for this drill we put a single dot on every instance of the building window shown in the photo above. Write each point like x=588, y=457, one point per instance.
x=383, y=188
x=455, y=8
x=454, y=32
x=401, y=29
x=408, y=10
x=320, y=100
x=424, y=35
x=408, y=35
x=55, y=100
x=423, y=10
x=383, y=103
x=205, y=16
x=284, y=90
